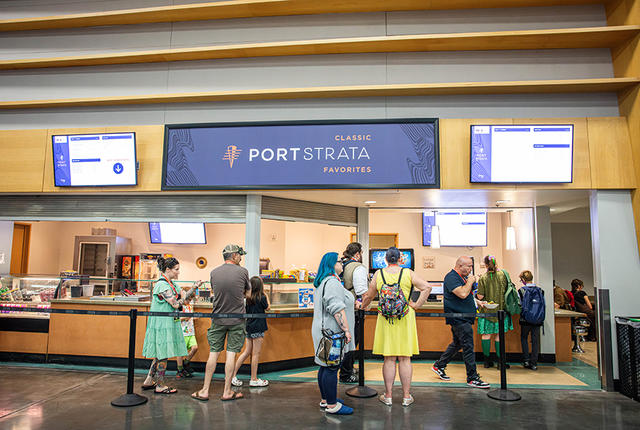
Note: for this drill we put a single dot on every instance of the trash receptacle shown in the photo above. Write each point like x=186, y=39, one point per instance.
x=628, y=335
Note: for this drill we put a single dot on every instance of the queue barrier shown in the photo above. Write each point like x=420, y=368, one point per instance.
x=132, y=399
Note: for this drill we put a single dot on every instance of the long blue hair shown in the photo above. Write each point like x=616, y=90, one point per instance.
x=326, y=268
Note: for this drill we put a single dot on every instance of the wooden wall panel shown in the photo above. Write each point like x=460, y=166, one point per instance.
x=611, y=156
x=149, y=142
x=602, y=156
x=94, y=335
x=22, y=155
x=28, y=343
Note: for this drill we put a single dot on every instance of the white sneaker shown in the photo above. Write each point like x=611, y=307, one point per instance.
x=236, y=382
x=259, y=383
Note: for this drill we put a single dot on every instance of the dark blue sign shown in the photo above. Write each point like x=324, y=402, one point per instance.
x=382, y=154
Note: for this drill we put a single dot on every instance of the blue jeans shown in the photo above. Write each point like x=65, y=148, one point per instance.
x=328, y=383
x=462, y=338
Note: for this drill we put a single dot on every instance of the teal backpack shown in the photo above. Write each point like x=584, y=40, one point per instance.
x=511, y=297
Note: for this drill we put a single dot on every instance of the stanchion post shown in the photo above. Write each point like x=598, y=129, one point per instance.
x=130, y=398
x=503, y=393
x=361, y=391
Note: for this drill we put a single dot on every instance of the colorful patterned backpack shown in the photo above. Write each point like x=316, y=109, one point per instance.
x=392, y=304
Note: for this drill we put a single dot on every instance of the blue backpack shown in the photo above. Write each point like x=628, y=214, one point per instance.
x=533, y=305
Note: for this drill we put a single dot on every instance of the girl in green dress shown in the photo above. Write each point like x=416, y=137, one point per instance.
x=491, y=288
x=164, y=338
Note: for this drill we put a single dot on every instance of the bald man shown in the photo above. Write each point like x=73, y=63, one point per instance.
x=459, y=299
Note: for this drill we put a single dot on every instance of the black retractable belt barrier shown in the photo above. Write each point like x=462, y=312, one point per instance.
x=503, y=393
x=130, y=398
x=361, y=391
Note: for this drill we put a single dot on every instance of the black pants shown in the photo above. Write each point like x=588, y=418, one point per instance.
x=462, y=338
x=534, y=331
x=346, y=368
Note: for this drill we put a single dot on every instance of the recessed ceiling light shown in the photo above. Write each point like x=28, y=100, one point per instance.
x=369, y=202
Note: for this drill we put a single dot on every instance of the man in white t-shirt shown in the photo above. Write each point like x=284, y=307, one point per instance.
x=355, y=278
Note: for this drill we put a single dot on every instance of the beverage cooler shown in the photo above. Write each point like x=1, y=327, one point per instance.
x=127, y=272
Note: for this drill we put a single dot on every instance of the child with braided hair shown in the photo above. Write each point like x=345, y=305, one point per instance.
x=492, y=286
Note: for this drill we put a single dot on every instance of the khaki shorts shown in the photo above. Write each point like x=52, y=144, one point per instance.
x=233, y=333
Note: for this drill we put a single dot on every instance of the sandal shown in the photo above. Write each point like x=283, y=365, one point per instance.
x=197, y=396
x=236, y=395
x=167, y=390
x=148, y=387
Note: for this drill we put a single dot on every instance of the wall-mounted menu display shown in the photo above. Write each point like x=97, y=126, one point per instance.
x=456, y=227
x=177, y=232
x=522, y=153
x=94, y=160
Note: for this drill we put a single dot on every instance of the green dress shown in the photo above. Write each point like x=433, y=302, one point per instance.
x=493, y=286
x=163, y=338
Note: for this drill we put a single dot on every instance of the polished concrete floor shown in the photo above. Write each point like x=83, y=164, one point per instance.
x=37, y=398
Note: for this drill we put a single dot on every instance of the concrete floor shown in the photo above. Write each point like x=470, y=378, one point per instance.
x=36, y=398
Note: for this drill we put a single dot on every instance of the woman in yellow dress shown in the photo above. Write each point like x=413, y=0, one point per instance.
x=397, y=338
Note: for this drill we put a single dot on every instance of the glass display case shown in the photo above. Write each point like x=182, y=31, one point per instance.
x=26, y=291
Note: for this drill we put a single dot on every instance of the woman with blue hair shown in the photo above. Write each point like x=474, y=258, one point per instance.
x=332, y=310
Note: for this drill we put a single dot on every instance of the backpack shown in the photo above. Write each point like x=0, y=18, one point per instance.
x=533, y=305
x=392, y=304
x=511, y=298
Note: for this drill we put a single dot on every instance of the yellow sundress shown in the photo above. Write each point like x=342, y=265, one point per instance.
x=401, y=337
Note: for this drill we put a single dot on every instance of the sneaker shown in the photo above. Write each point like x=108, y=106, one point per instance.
x=188, y=368
x=386, y=400
x=236, y=382
x=406, y=401
x=351, y=379
x=181, y=374
x=526, y=364
x=259, y=383
x=506, y=365
x=488, y=363
x=340, y=409
x=323, y=404
x=477, y=383
x=440, y=372
x=533, y=367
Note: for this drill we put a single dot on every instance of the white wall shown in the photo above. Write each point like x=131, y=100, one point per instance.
x=6, y=242
x=523, y=258
x=287, y=244
x=408, y=225
x=572, y=254
x=615, y=255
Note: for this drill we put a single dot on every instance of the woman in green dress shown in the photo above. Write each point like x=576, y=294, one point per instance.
x=164, y=338
x=491, y=288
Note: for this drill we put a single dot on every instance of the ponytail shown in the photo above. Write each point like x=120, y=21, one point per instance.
x=490, y=262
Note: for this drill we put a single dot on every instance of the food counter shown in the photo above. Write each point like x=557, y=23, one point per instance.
x=288, y=340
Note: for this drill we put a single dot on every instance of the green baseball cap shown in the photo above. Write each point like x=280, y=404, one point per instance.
x=234, y=249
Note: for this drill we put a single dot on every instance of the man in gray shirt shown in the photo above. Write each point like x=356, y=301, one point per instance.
x=229, y=284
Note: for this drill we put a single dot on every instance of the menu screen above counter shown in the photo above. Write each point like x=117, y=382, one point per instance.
x=522, y=153
x=376, y=154
x=456, y=227
x=94, y=160
x=177, y=232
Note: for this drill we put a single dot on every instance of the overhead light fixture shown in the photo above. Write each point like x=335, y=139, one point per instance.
x=370, y=202
x=510, y=244
x=435, y=234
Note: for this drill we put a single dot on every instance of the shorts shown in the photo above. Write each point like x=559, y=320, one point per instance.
x=190, y=341
x=233, y=333
x=255, y=335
